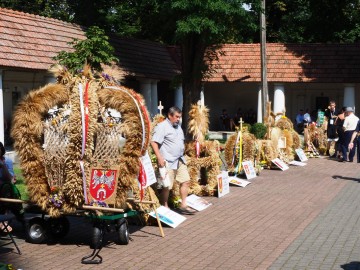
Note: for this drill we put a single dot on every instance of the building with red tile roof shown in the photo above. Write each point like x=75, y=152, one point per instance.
x=321, y=63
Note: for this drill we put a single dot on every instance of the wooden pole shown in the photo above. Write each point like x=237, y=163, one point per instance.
x=138, y=201
x=106, y=209
x=264, y=85
x=240, y=146
x=11, y=200
x=157, y=216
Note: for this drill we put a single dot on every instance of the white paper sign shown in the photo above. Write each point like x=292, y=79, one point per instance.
x=168, y=216
x=280, y=164
x=301, y=154
x=197, y=202
x=282, y=142
x=297, y=163
x=223, y=184
x=149, y=170
x=249, y=169
x=238, y=182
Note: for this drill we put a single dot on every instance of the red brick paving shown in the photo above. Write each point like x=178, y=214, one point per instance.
x=247, y=229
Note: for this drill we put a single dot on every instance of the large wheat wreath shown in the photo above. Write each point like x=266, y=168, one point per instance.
x=50, y=148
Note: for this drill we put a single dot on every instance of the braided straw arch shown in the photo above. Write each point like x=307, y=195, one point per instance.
x=28, y=132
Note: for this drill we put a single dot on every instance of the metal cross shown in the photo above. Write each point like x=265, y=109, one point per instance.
x=160, y=107
x=241, y=122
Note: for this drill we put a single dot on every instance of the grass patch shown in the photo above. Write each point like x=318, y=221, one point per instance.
x=20, y=183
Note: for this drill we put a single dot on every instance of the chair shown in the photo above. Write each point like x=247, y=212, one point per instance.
x=4, y=220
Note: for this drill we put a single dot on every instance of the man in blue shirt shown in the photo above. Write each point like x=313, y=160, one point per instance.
x=168, y=145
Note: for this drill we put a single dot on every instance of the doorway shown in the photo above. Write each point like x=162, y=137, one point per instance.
x=322, y=103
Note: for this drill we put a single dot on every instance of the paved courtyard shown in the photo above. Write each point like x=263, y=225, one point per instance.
x=303, y=218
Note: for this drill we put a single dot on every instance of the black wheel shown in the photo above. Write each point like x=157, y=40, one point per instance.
x=58, y=227
x=36, y=232
x=123, y=232
x=97, y=237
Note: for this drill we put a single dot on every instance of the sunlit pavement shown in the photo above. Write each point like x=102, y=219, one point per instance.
x=302, y=218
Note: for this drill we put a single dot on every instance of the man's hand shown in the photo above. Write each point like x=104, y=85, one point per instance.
x=161, y=161
x=351, y=145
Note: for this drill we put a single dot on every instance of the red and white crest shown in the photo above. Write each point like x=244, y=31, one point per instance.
x=103, y=184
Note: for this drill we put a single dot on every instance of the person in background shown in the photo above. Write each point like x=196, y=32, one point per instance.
x=300, y=121
x=307, y=117
x=227, y=123
x=7, y=179
x=168, y=145
x=239, y=114
x=339, y=123
x=6, y=167
x=350, y=124
x=331, y=114
x=355, y=141
x=313, y=115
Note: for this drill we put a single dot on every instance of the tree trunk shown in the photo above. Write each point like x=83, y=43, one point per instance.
x=192, y=62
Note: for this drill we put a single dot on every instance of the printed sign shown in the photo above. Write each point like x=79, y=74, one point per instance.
x=197, y=202
x=238, y=182
x=297, y=163
x=168, y=216
x=249, y=169
x=320, y=118
x=149, y=170
x=301, y=154
x=223, y=184
x=280, y=164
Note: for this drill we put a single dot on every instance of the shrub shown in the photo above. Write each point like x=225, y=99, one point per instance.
x=259, y=130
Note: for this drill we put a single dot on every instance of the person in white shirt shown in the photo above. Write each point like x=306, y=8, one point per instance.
x=349, y=126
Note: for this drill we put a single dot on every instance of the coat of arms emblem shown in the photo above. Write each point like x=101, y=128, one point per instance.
x=103, y=184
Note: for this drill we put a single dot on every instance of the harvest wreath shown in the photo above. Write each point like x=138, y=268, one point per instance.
x=63, y=130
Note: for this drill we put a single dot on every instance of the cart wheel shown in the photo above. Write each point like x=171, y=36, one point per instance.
x=58, y=227
x=36, y=232
x=97, y=237
x=123, y=232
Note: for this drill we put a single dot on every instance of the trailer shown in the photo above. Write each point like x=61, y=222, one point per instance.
x=42, y=227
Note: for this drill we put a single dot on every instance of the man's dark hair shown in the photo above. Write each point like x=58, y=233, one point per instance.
x=174, y=110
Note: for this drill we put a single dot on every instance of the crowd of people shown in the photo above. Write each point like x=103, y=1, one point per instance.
x=342, y=128
x=228, y=122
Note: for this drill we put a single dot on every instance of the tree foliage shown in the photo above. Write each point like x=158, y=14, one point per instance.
x=199, y=26
x=94, y=51
x=304, y=21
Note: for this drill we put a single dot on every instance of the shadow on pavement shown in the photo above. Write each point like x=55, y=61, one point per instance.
x=351, y=266
x=346, y=178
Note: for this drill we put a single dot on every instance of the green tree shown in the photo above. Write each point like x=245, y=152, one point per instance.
x=198, y=27
x=94, y=51
x=304, y=21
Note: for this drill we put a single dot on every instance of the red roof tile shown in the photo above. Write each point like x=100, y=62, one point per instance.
x=289, y=63
x=30, y=41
